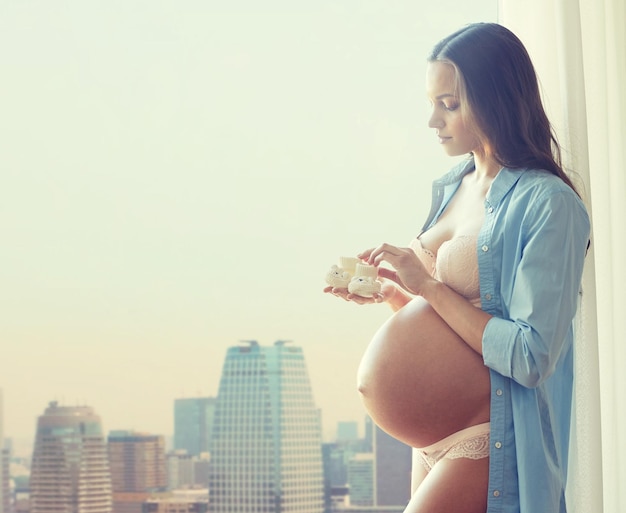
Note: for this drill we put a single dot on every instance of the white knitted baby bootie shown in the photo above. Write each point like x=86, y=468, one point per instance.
x=364, y=282
x=340, y=275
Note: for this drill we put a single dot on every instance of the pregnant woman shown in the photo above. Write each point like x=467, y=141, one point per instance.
x=474, y=367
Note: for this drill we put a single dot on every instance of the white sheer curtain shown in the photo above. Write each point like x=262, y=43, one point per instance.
x=579, y=49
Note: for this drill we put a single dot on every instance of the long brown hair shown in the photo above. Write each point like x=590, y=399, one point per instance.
x=498, y=88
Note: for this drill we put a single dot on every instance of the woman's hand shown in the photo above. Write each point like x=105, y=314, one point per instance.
x=408, y=271
x=378, y=297
x=389, y=291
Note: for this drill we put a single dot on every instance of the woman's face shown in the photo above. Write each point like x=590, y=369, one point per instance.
x=453, y=133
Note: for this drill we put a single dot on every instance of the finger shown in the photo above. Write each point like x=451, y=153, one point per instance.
x=341, y=292
x=364, y=255
x=384, y=252
x=393, y=276
x=361, y=300
x=372, y=254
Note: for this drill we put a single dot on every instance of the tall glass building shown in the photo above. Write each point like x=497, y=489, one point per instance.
x=70, y=469
x=267, y=455
x=193, y=418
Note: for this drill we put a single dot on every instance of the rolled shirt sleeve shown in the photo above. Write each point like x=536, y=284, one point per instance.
x=538, y=301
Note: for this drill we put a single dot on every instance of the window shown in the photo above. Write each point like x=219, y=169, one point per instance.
x=179, y=176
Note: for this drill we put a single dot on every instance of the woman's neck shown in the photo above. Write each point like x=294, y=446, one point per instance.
x=486, y=167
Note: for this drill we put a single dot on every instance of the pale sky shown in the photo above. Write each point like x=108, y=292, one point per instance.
x=177, y=176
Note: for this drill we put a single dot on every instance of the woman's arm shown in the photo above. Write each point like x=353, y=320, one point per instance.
x=467, y=321
x=394, y=296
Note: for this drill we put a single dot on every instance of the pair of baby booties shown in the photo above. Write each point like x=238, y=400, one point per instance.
x=359, y=278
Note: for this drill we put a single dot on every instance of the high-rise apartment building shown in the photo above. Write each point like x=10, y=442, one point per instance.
x=137, y=461
x=361, y=479
x=70, y=470
x=336, y=457
x=185, y=471
x=266, y=447
x=193, y=419
x=180, y=469
x=138, y=468
x=6, y=505
x=393, y=470
x=3, y=471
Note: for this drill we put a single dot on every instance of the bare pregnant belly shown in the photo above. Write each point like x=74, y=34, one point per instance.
x=419, y=381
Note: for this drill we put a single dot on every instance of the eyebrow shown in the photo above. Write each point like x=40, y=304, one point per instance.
x=445, y=95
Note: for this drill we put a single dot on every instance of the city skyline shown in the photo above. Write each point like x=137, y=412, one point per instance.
x=177, y=178
x=267, y=449
x=333, y=433
x=256, y=381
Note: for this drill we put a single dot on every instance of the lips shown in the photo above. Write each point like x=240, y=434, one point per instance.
x=442, y=138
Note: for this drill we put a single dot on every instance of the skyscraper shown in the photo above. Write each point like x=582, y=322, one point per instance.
x=70, y=470
x=347, y=431
x=266, y=441
x=361, y=479
x=193, y=418
x=393, y=470
x=5, y=462
x=4, y=478
x=180, y=469
x=137, y=468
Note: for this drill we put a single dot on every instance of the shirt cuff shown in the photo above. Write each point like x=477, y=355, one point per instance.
x=498, y=346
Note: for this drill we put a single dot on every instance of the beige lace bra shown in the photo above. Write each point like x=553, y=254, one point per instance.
x=455, y=264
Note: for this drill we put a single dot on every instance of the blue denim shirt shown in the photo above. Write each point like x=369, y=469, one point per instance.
x=531, y=250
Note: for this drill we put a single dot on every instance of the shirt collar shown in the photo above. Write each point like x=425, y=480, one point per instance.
x=456, y=173
x=504, y=181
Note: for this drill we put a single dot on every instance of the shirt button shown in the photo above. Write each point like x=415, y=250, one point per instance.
x=488, y=297
x=496, y=493
x=499, y=391
x=485, y=248
x=490, y=210
x=498, y=445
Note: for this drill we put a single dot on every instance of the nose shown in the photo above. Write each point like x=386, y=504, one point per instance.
x=435, y=120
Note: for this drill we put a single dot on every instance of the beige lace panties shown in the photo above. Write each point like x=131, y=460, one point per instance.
x=471, y=442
